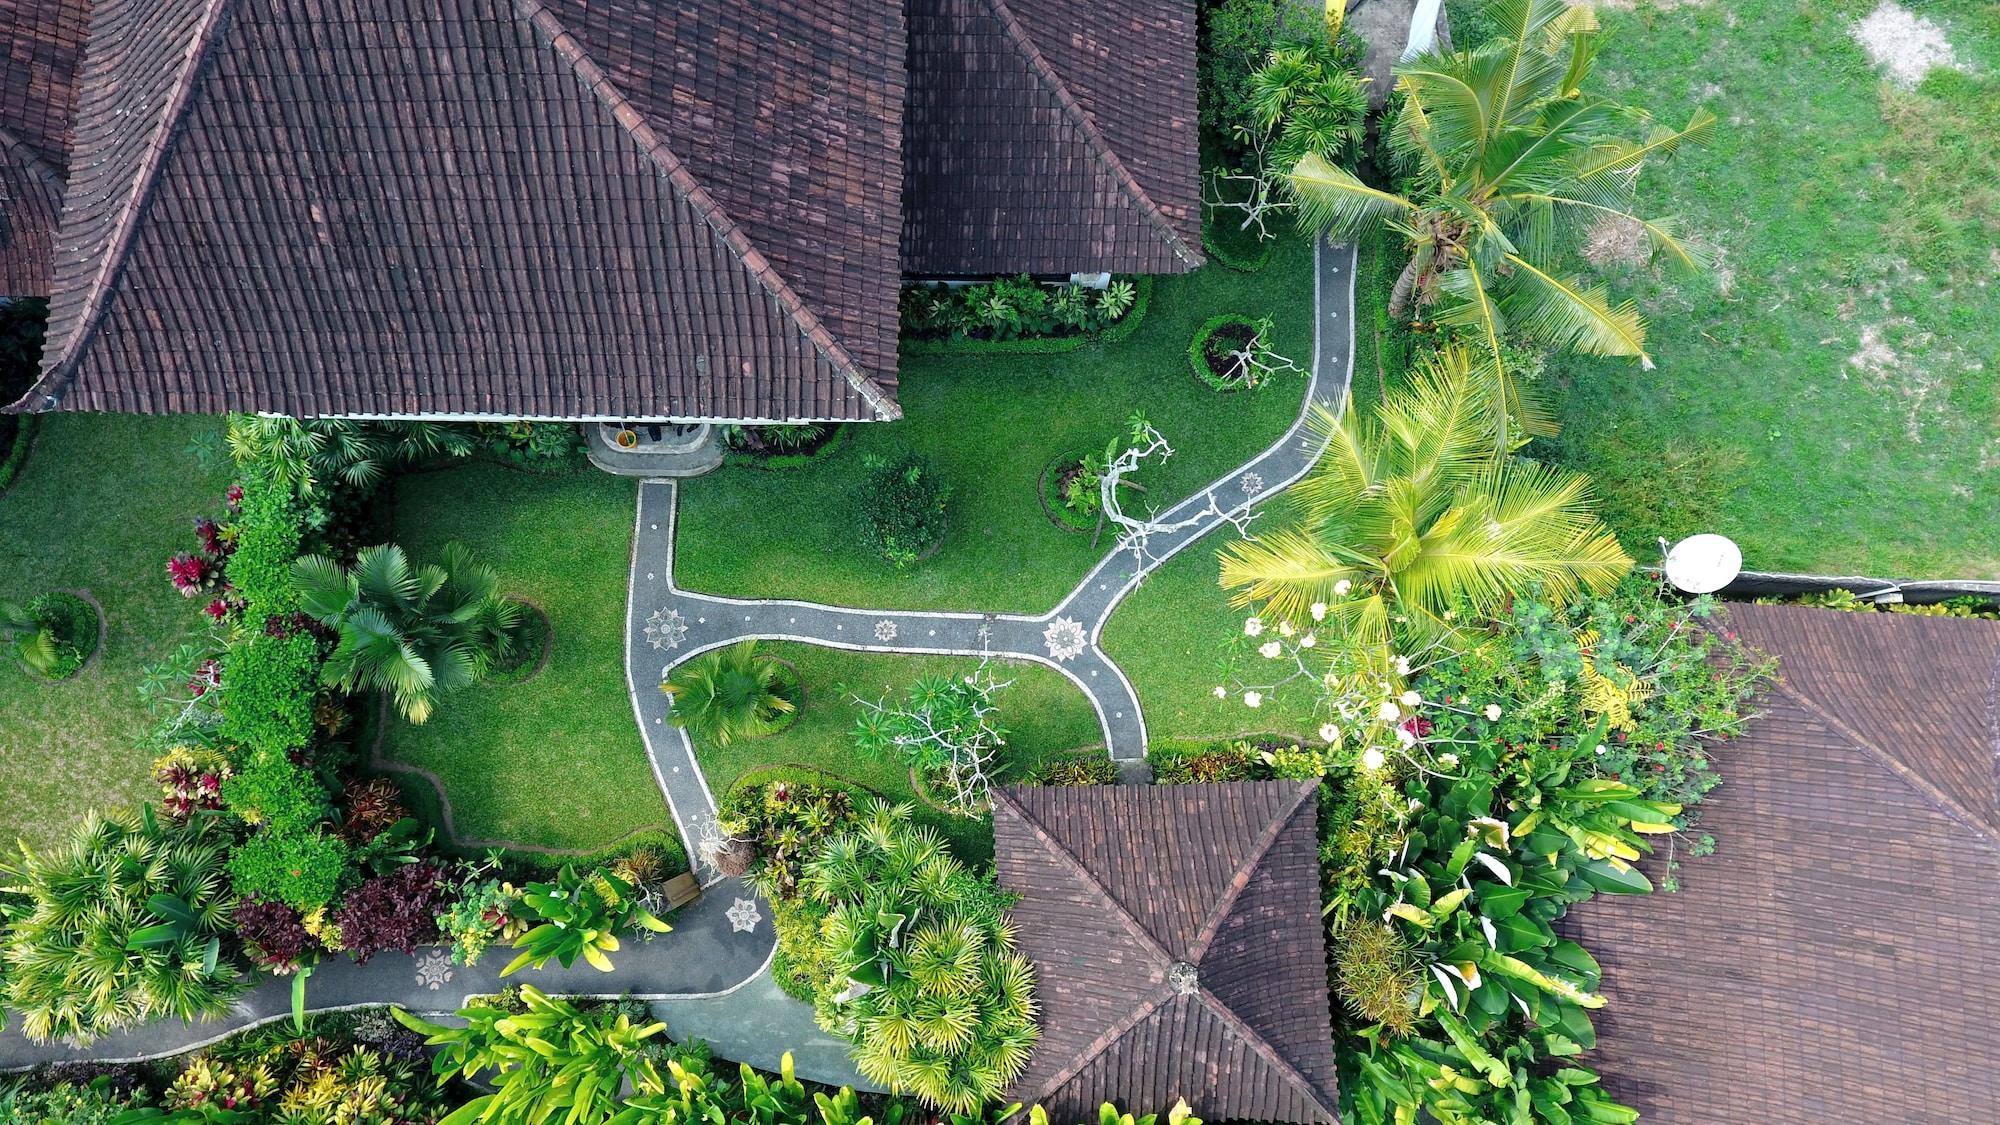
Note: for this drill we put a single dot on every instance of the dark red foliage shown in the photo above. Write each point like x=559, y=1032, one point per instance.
x=191, y=573
x=207, y=674
x=234, y=496
x=216, y=609
x=212, y=542
x=272, y=933
x=372, y=806
x=395, y=911
x=1419, y=726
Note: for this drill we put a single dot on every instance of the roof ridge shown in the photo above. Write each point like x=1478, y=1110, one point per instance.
x=1104, y=1042
x=1099, y=144
x=1264, y=1050
x=59, y=371
x=1069, y=859
x=1219, y=913
x=1945, y=802
x=570, y=50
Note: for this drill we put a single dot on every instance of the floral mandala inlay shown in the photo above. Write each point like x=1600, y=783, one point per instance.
x=1064, y=638
x=433, y=970
x=744, y=916
x=885, y=630
x=666, y=628
x=1252, y=484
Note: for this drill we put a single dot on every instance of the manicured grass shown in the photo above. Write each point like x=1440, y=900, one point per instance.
x=1043, y=712
x=101, y=503
x=1830, y=397
x=554, y=760
x=993, y=423
x=1176, y=638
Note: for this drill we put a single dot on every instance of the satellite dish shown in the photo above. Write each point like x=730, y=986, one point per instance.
x=1703, y=564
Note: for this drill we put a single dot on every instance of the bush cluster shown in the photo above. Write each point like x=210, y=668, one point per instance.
x=903, y=500
x=1013, y=308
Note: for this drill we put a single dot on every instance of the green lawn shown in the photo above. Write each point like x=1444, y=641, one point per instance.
x=993, y=423
x=1043, y=712
x=101, y=504
x=555, y=760
x=1831, y=396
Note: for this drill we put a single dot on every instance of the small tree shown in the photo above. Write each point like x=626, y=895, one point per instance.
x=903, y=502
x=946, y=728
x=416, y=632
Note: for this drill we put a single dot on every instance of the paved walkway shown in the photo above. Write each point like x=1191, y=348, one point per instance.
x=711, y=976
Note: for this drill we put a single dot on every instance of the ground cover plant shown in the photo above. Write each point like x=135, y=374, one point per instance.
x=992, y=424
x=1043, y=713
x=489, y=747
x=99, y=502
x=1828, y=397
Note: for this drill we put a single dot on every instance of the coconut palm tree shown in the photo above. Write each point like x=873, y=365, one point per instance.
x=730, y=693
x=120, y=924
x=417, y=633
x=1510, y=162
x=1413, y=511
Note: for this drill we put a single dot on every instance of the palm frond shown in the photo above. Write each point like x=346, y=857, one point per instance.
x=1568, y=313
x=1333, y=201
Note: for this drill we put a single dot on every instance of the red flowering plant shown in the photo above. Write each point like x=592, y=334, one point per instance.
x=395, y=911
x=190, y=780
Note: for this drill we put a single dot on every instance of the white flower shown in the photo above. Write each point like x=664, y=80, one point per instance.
x=1284, y=628
x=1341, y=587
x=1404, y=736
x=1411, y=699
x=1252, y=626
x=1600, y=748
x=1389, y=712
x=1253, y=699
x=1493, y=712
x=1450, y=613
x=1402, y=666
x=1319, y=611
x=1221, y=692
x=1308, y=641
x=1269, y=650
x=1329, y=733
x=1372, y=759
x=1447, y=759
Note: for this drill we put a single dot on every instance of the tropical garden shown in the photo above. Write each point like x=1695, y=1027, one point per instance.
x=326, y=729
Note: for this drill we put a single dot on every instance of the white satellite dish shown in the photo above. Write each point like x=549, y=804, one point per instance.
x=1703, y=564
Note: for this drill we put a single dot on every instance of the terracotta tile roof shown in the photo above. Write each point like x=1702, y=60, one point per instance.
x=1178, y=950
x=41, y=42
x=331, y=206
x=1051, y=136
x=1833, y=962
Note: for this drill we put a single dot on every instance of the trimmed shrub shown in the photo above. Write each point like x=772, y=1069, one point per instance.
x=1089, y=767
x=903, y=504
x=395, y=911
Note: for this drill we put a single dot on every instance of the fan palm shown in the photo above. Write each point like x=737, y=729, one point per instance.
x=730, y=693
x=1414, y=511
x=121, y=923
x=1512, y=162
x=417, y=633
x=33, y=642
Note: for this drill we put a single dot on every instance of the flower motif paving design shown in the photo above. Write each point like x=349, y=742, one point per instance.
x=744, y=916
x=433, y=970
x=666, y=628
x=885, y=630
x=1252, y=484
x=1065, y=639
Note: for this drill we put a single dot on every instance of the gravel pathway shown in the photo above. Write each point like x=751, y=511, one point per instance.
x=711, y=975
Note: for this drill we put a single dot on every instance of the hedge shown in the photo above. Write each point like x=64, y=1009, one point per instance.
x=24, y=436
x=1041, y=345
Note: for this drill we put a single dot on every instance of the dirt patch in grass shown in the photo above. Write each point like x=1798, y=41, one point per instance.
x=1904, y=44
x=1913, y=370
x=1615, y=240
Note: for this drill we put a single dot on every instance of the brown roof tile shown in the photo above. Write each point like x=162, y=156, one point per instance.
x=1832, y=962
x=41, y=43
x=326, y=206
x=1050, y=136
x=1123, y=890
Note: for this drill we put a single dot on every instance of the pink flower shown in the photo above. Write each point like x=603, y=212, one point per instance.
x=217, y=609
x=234, y=495
x=190, y=573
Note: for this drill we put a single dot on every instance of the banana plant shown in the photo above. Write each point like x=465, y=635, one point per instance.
x=1421, y=1078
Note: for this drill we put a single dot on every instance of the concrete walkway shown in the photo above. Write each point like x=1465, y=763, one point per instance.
x=711, y=976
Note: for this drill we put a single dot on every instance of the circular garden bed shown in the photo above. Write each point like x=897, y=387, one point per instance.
x=1057, y=477
x=1215, y=342
x=531, y=647
x=63, y=630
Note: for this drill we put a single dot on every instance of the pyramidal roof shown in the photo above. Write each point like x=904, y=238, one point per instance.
x=1175, y=935
x=547, y=209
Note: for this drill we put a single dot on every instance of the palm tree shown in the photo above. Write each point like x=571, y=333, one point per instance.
x=1511, y=162
x=1414, y=511
x=415, y=632
x=730, y=693
x=122, y=923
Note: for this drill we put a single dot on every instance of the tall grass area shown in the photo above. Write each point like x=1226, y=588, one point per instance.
x=1830, y=395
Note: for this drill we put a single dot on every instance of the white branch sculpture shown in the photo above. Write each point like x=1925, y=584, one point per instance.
x=1134, y=534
